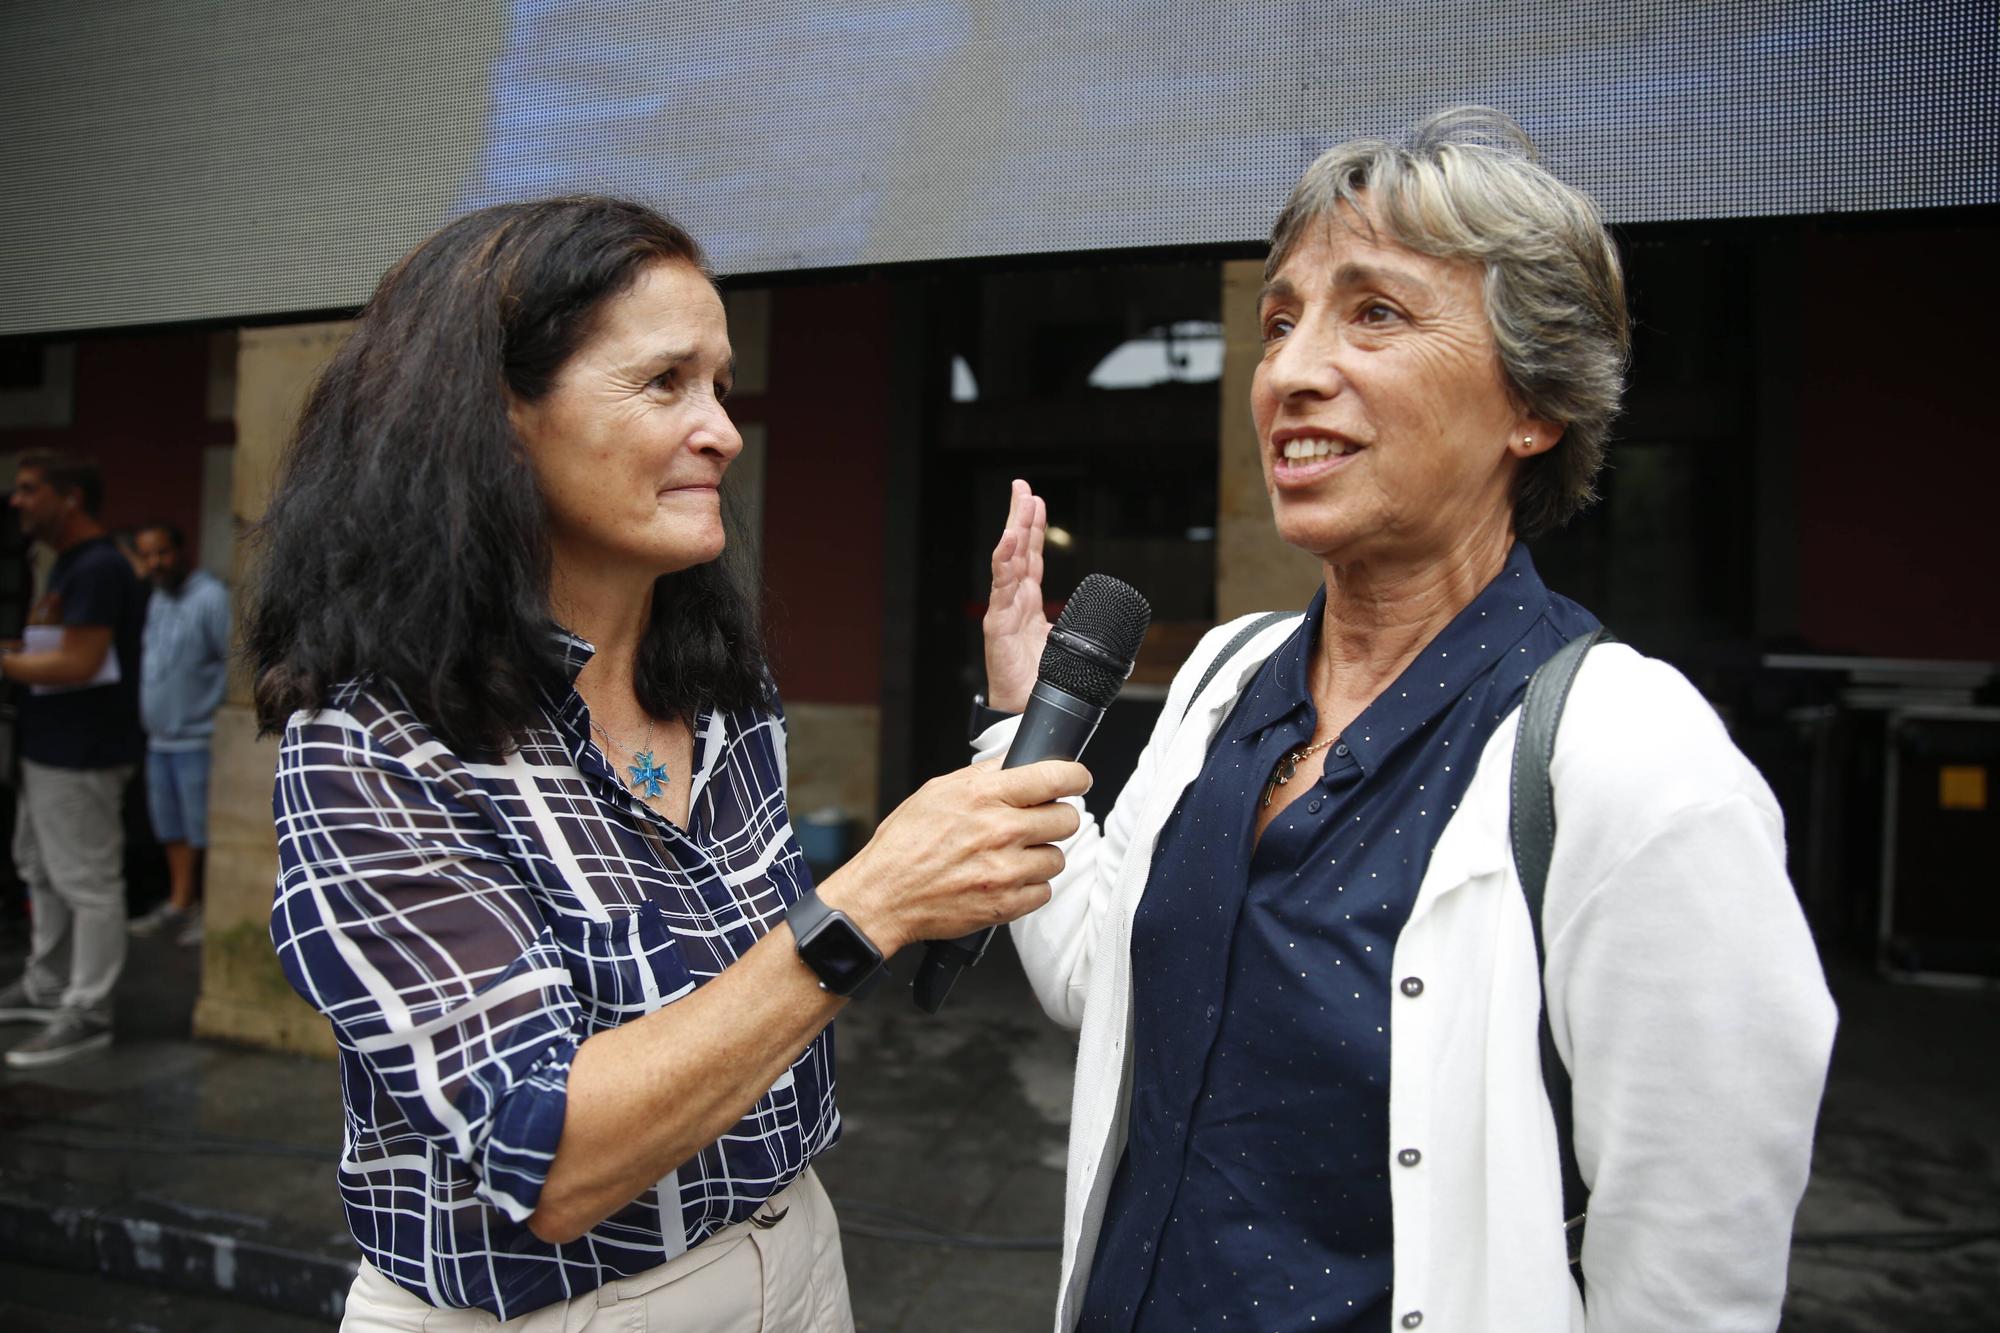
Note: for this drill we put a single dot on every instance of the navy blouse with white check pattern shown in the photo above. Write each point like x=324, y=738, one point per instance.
x=466, y=926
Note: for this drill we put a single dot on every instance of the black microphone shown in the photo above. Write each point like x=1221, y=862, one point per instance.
x=1091, y=649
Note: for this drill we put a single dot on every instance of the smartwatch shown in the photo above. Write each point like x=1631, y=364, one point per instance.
x=846, y=961
x=982, y=717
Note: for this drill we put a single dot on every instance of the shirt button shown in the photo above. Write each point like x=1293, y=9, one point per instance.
x=1413, y=1318
x=1409, y=1157
x=1413, y=986
x=1341, y=749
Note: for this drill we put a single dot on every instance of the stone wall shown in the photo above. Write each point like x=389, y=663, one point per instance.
x=244, y=995
x=1254, y=571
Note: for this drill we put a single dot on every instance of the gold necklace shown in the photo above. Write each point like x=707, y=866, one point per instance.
x=1288, y=767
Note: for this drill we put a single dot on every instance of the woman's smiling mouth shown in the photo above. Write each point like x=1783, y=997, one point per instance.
x=1303, y=457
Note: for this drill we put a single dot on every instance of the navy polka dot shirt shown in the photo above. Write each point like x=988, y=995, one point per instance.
x=1254, y=1188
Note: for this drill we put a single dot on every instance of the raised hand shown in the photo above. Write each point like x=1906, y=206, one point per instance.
x=1016, y=627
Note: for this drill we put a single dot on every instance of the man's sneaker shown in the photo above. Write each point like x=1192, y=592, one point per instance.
x=17, y=1006
x=73, y=1035
x=164, y=917
x=190, y=936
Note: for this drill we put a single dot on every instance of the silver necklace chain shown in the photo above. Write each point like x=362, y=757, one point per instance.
x=647, y=773
x=618, y=744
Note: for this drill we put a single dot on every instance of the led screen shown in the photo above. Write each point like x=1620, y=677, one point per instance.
x=172, y=161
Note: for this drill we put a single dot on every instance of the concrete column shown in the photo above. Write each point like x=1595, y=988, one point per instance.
x=1254, y=571
x=244, y=995
x=833, y=761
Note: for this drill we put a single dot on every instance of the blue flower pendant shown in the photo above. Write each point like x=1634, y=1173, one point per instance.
x=647, y=775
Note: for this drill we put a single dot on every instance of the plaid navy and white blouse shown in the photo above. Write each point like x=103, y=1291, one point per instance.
x=466, y=926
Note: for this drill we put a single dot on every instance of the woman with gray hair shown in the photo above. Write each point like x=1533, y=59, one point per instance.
x=1310, y=1089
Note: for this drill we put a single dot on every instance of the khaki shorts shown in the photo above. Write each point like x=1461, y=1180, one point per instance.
x=788, y=1278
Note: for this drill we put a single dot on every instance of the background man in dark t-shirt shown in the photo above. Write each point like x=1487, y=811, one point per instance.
x=80, y=739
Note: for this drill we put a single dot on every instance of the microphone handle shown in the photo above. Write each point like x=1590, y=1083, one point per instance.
x=1056, y=725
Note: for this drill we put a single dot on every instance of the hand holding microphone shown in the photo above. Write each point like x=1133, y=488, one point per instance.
x=968, y=849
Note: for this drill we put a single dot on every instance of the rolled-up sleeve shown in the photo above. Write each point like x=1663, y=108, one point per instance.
x=399, y=916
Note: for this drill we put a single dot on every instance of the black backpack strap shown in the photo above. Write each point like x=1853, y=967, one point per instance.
x=1235, y=645
x=1532, y=830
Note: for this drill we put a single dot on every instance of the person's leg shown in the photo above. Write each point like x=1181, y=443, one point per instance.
x=181, y=862
x=191, y=781
x=82, y=842
x=47, y=973
x=167, y=813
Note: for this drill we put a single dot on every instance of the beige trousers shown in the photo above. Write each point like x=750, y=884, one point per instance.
x=788, y=1278
x=69, y=847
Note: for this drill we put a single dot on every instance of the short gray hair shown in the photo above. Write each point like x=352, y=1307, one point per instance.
x=1466, y=184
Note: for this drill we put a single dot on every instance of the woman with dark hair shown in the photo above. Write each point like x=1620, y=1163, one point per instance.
x=535, y=858
x=1310, y=1087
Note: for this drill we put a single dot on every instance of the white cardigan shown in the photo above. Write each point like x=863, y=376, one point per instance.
x=1684, y=994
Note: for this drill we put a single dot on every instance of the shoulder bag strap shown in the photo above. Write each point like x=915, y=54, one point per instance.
x=1532, y=830
x=1230, y=649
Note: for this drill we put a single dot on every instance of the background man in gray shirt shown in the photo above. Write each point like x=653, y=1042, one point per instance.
x=183, y=671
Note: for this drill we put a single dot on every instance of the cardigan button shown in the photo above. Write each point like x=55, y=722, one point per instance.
x=1413, y=986
x=1413, y=1318
x=1409, y=1157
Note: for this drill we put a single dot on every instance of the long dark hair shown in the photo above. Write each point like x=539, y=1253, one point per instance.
x=407, y=541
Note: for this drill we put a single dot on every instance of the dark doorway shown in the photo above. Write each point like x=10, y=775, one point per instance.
x=1100, y=386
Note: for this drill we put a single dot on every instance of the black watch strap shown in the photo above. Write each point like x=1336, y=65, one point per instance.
x=844, y=959
x=982, y=718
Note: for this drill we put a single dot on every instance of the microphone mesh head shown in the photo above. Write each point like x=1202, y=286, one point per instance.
x=1113, y=616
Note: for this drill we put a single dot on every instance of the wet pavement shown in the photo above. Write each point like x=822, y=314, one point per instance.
x=1900, y=1227
x=53, y=1300
x=193, y=1182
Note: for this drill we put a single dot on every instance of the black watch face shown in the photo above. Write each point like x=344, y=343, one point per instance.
x=841, y=956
